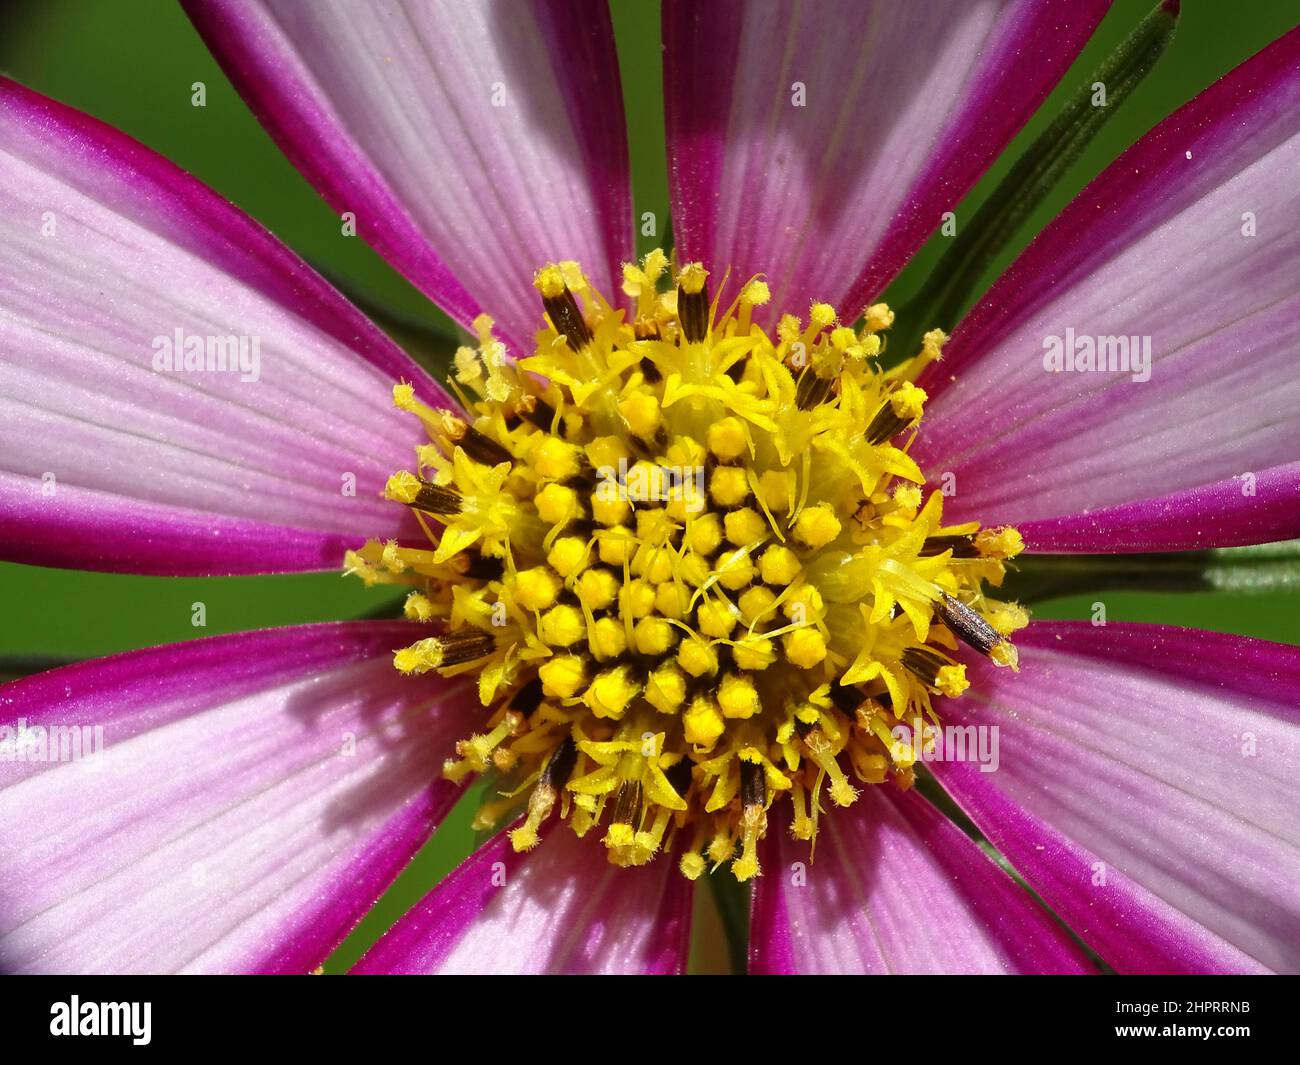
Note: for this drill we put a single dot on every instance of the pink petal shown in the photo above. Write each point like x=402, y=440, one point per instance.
x=906, y=105
x=106, y=462
x=252, y=797
x=1153, y=248
x=1147, y=787
x=388, y=110
x=562, y=908
x=895, y=887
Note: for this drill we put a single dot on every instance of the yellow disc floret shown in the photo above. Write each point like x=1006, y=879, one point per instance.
x=685, y=552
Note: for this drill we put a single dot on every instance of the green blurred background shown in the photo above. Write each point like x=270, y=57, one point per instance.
x=133, y=63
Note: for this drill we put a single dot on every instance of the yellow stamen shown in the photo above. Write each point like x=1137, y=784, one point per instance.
x=691, y=562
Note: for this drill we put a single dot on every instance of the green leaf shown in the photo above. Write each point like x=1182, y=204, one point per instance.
x=1262, y=568
x=15, y=667
x=430, y=346
x=488, y=787
x=388, y=610
x=951, y=287
x=928, y=786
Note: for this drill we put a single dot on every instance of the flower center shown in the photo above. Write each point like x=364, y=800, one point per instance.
x=691, y=564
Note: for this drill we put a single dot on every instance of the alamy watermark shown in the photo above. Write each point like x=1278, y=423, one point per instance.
x=132, y=1020
x=1083, y=353
x=50, y=743
x=980, y=744
x=642, y=482
x=192, y=353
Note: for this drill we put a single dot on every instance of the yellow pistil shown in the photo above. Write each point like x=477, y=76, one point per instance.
x=691, y=563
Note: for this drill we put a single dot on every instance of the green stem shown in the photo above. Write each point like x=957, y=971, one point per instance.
x=732, y=900
x=1258, y=569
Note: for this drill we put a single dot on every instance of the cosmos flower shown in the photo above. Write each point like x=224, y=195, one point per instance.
x=681, y=558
